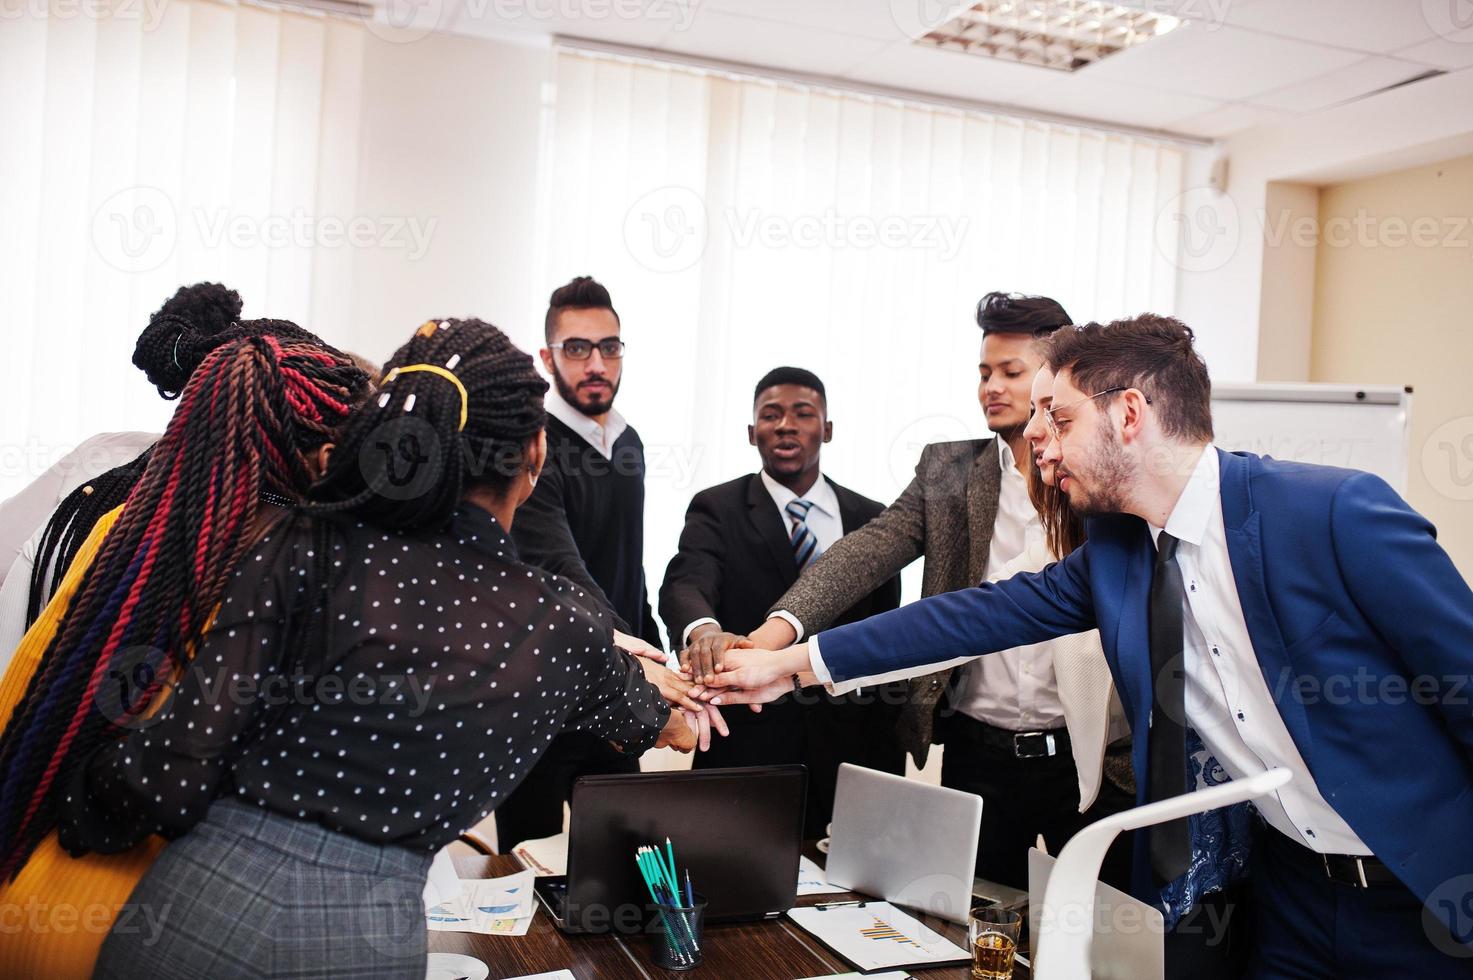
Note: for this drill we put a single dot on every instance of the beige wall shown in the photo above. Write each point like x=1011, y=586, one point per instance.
x=1393, y=304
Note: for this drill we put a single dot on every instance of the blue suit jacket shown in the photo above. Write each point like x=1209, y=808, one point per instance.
x=1361, y=625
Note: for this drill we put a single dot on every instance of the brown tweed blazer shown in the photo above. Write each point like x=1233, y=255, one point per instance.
x=945, y=514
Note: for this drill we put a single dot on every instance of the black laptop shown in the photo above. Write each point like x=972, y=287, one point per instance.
x=739, y=832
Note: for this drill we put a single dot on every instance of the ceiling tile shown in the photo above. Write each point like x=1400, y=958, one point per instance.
x=1365, y=25
x=641, y=25
x=1225, y=63
x=1340, y=85
x=1226, y=120
x=1451, y=51
x=750, y=40
x=883, y=20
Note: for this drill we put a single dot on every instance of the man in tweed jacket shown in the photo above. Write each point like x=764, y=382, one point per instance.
x=969, y=513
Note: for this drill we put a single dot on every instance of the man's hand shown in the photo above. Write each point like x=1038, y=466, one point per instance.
x=704, y=656
x=775, y=634
x=759, y=676
x=639, y=648
x=677, y=733
x=676, y=690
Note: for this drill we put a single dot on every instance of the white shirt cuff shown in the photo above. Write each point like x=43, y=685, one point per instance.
x=816, y=664
x=685, y=635
x=792, y=621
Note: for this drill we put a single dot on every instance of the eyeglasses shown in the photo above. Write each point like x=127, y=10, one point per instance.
x=578, y=349
x=1053, y=423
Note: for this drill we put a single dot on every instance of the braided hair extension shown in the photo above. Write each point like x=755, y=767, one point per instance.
x=403, y=461
x=246, y=417
x=190, y=324
x=70, y=524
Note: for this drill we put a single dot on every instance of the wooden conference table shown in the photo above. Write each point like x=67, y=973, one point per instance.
x=775, y=949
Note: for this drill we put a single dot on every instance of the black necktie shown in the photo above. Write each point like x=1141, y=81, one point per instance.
x=1171, y=842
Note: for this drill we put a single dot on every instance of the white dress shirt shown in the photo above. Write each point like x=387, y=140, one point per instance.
x=1086, y=689
x=1228, y=701
x=600, y=437
x=824, y=523
x=1013, y=689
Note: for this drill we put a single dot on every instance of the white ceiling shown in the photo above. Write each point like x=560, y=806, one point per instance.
x=1233, y=65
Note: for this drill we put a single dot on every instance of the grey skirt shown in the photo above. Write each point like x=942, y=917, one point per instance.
x=250, y=893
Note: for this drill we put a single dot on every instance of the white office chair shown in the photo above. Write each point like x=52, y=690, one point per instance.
x=1062, y=953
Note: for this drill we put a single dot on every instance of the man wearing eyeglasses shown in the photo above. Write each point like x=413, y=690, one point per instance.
x=585, y=522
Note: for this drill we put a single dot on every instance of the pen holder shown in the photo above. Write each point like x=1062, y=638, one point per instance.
x=677, y=939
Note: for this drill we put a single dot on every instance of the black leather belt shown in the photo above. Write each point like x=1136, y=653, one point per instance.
x=1343, y=869
x=1022, y=745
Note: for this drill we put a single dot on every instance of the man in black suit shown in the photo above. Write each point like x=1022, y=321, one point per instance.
x=744, y=543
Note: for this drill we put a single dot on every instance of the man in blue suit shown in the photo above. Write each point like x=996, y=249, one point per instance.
x=1279, y=614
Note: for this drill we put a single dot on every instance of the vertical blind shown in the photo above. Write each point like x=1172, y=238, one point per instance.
x=148, y=145
x=743, y=224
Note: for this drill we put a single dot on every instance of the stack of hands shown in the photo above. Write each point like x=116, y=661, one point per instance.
x=718, y=668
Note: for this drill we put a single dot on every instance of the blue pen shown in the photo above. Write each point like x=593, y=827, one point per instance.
x=690, y=895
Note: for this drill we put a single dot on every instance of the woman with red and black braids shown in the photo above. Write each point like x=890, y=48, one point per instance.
x=65, y=502
x=428, y=670
x=246, y=440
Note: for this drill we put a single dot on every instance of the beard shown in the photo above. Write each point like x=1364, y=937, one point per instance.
x=1108, y=471
x=589, y=405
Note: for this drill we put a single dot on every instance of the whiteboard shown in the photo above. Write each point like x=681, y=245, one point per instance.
x=1363, y=427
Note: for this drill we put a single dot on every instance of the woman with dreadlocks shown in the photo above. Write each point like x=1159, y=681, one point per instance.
x=245, y=440
x=64, y=503
x=427, y=668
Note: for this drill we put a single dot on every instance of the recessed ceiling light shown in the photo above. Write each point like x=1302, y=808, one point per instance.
x=1065, y=35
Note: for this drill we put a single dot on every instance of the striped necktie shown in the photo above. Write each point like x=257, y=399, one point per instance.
x=805, y=545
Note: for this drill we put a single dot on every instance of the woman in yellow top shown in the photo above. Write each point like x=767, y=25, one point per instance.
x=252, y=421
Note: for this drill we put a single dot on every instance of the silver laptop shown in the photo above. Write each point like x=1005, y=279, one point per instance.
x=1128, y=941
x=905, y=841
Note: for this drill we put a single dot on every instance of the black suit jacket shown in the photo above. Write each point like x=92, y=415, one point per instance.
x=734, y=562
x=735, y=559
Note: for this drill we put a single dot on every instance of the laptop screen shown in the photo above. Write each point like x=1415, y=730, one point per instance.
x=738, y=832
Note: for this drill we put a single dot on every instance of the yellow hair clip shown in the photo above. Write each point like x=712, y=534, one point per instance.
x=438, y=371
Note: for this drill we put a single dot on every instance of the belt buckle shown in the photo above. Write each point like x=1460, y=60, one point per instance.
x=1050, y=748
x=1360, y=869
